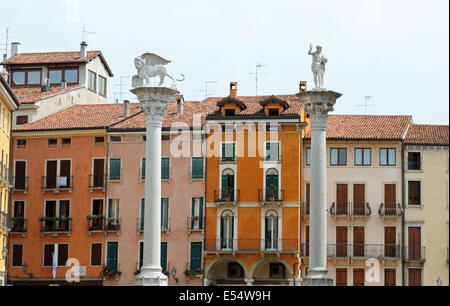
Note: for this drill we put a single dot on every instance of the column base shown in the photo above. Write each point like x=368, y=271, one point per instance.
x=318, y=277
x=149, y=277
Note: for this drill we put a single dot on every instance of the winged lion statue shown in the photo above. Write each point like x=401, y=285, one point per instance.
x=150, y=65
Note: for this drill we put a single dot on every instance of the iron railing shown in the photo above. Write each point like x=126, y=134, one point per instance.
x=56, y=224
x=20, y=183
x=271, y=195
x=358, y=250
x=252, y=245
x=18, y=225
x=195, y=223
x=390, y=210
x=350, y=209
x=57, y=182
x=415, y=253
x=97, y=181
x=227, y=195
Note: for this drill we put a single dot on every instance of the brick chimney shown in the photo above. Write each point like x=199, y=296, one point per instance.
x=83, y=49
x=303, y=86
x=233, y=89
x=126, y=108
x=180, y=100
x=15, y=48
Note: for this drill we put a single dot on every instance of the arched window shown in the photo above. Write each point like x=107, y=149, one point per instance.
x=271, y=230
x=226, y=230
x=272, y=188
x=227, y=191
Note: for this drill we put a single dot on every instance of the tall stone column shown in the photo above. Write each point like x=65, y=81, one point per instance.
x=154, y=102
x=318, y=103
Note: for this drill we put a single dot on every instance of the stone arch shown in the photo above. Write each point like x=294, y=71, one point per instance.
x=272, y=259
x=225, y=259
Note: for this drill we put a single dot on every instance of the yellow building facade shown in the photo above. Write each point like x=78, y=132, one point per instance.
x=8, y=103
x=426, y=226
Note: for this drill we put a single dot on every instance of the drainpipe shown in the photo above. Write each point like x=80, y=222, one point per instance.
x=8, y=206
x=204, y=142
x=403, y=213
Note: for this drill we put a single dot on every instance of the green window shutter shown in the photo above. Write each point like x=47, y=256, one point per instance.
x=111, y=260
x=197, y=167
x=142, y=214
x=114, y=168
x=164, y=255
x=196, y=255
x=143, y=168
x=165, y=168
x=141, y=254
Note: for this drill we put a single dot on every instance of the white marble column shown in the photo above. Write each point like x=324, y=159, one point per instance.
x=154, y=102
x=318, y=103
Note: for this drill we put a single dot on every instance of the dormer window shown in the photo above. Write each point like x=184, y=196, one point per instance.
x=26, y=77
x=57, y=75
x=274, y=111
x=274, y=106
x=230, y=112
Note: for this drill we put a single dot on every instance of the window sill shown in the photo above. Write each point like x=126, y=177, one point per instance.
x=415, y=206
x=414, y=171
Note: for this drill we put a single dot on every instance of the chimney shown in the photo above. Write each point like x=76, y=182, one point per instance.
x=15, y=48
x=180, y=100
x=83, y=49
x=233, y=89
x=303, y=86
x=126, y=108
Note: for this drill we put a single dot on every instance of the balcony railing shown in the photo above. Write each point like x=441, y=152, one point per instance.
x=358, y=250
x=57, y=183
x=20, y=183
x=96, y=223
x=195, y=223
x=165, y=224
x=18, y=225
x=360, y=209
x=252, y=245
x=56, y=224
x=97, y=181
x=340, y=209
x=414, y=165
x=271, y=195
x=416, y=253
x=350, y=209
x=390, y=210
x=227, y=195
x=112, y=224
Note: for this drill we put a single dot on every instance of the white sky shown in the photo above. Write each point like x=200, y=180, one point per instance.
x=394, y=50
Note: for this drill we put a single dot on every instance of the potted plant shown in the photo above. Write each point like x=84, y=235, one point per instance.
x=187, y=273
x=226, y=193
x=272, y=191
x=195, y=218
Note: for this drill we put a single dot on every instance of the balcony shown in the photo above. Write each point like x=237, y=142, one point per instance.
x=57, y=183
x=20, y=183
x=415, y=254
x=56, y=225
x=97, y=182
x=350, y=210
x=18, y=225
x=226, y=196
x=195, y=224
x=285, y=246
x=271, y=195
x=358, y=250
x=99, y=223
x=390, y=210
x=340, y=209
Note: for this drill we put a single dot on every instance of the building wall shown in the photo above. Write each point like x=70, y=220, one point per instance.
x=432, y=215
x=81, y=152
x=179, y=189
x=374, y=177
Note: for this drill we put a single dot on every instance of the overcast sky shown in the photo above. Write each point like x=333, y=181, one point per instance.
x=396, y=51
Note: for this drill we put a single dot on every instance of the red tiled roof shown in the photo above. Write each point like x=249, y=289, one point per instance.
x=172, y=119
x=253, y=106
x=34, y=94
x=427, y=134
x=366, y=127
x=87, y=116
x=49, y=58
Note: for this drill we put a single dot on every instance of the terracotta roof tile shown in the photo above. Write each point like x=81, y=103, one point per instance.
x=427, y=134
x=34, y=94
x=49, y=57
x=366, y=127
x=87, y=116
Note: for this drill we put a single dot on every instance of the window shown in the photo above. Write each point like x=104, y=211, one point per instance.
x=141, y=220
x=30, y=77
x=414, y=193
x=112, y=255
x=52, y=143
x=113, y=214
x=18, y=222
x=96, y=254
x=165, y=137
x=387, y=157
x=277, y=270
x=92, y=85
x=226, y=230
x=197, y=214
x=165, y=168
x=60, y=250
x=197, y=168
x=363, y=157
x=274, y=111
x=196, y=256
x=141, y=254
x=21, y=143
x=143, y=168
x=414, y=162
x=389, y=277
x=308, y=156
x=228, y=151
x=71, y=76
x=341, y=277
x=271, y=226
x=115, y=169
x=66, y=142
x=17, y=255
x=235, y=270
x=20, y=170
x=101, y=86
x=272, y=151
x=358, y=277
x=164, y=214
x=338, y=157
x=99, y=141
x=230, y=112
x=58, y=174
x=115, y=138
x=144, y=138
x=163, y=259
x=21, y=120
x=57, y=76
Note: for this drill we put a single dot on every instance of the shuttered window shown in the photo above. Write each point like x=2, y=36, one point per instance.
x=341, y=277
x=414, y=193
x=164, y=256
x=165, y=168
x=141, y=221
x=358, y=277
x=17, y=255
x=114, y=169
x=96, y=254
x=48, y=254
x=143, y=168
x=197, y=167
x=414, y=277
x=164, y=214
x=63, y=254
x=62, y=251
x=112, y=256
x=196, y=255
x=389, y=277
x=141, y=253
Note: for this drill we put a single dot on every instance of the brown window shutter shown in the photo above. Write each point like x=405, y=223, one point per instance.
x=414, y=243
x=358, y=241
x=17, y=255
x=96, y=254
x=390, y=277
x=63, y=254
x=307, y=240
x=341, y=241
x=358, y=277
x=48, y=252
x=414, y=277
x=308, y=197
x=359, y=199
x=342, y=198
x=341, y=277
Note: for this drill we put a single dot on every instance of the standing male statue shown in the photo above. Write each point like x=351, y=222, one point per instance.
x=318, y=65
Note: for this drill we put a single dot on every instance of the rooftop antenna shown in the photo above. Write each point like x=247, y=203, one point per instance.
x=366, y=99
x=206, y=88
x=84, y=31
x=122, y=77
x=257, y=73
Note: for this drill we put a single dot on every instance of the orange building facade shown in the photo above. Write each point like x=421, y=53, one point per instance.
x=253, y=190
